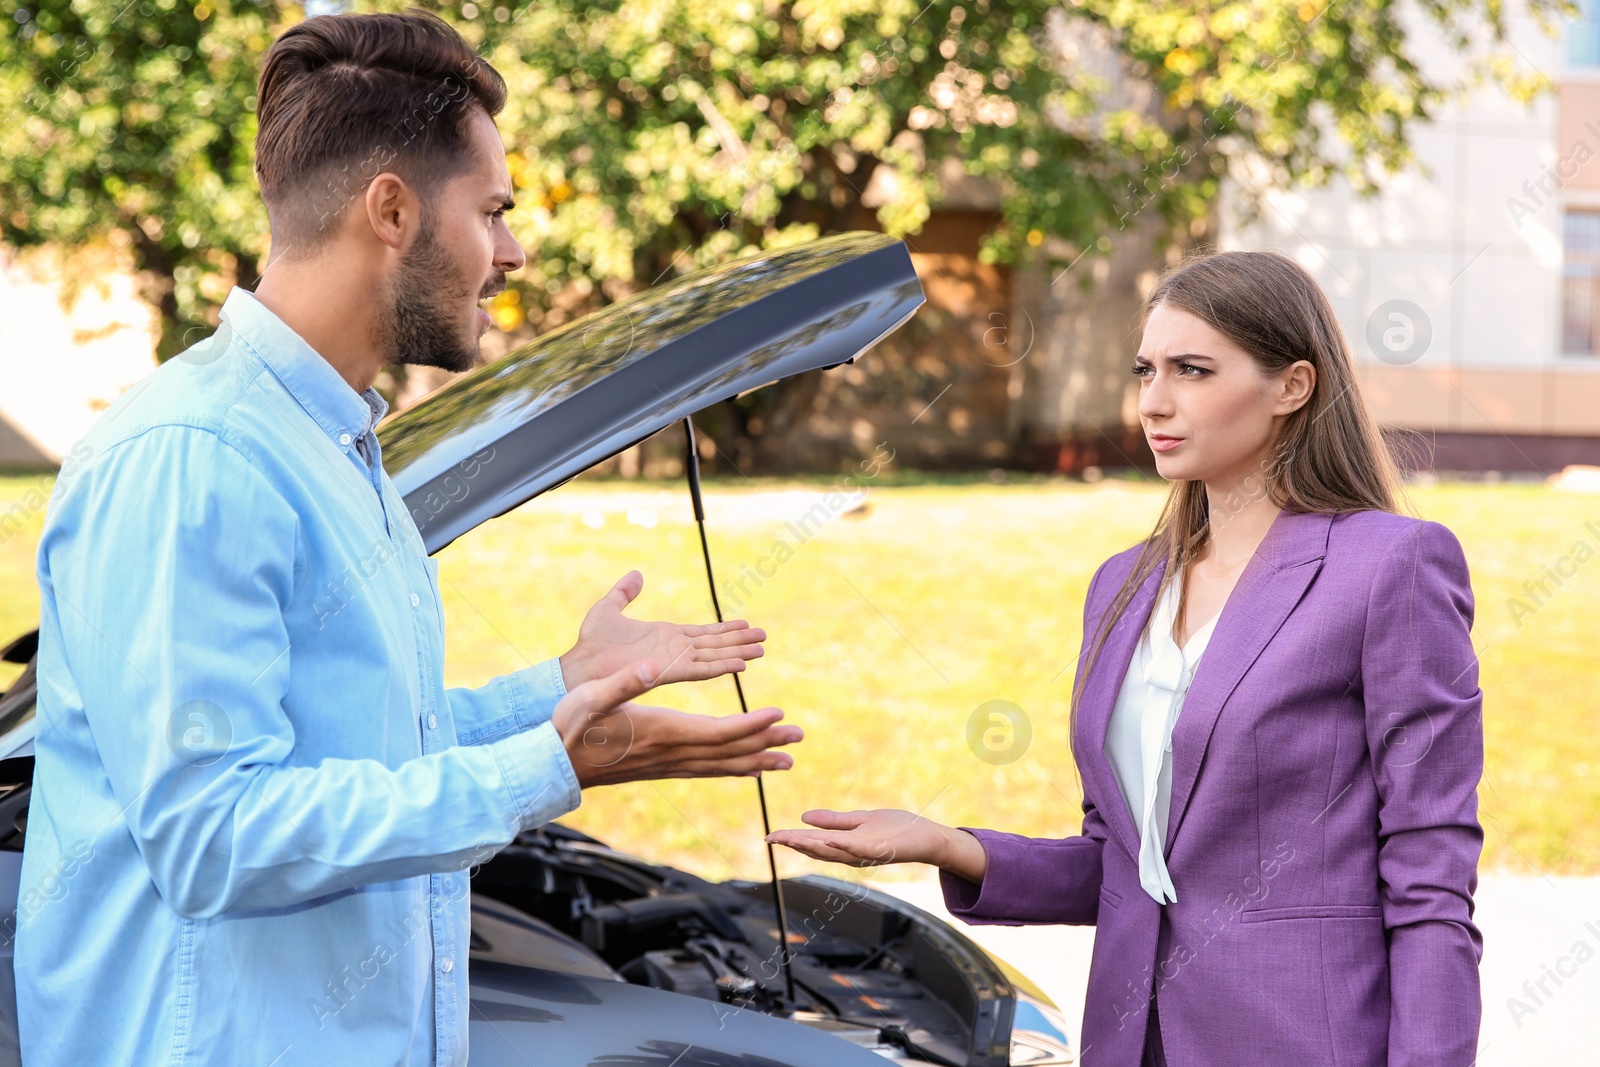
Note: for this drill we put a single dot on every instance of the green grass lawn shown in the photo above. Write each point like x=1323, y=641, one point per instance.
x=888, y=628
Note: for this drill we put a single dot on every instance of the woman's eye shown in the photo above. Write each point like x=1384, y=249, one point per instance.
x=1145, y=370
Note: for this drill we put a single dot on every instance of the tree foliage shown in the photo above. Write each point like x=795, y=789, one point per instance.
x=655, y=136
x=133, y=126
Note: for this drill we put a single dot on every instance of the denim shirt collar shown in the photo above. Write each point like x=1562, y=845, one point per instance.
x=345, y=415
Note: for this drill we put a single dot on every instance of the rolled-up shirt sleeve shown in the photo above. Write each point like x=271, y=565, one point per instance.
x=509, y=704
x=190, y=663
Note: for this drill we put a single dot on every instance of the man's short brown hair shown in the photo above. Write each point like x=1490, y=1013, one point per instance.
x=343, y=98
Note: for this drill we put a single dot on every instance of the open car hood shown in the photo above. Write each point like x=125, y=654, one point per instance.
x=578, y=951
x=504, y=433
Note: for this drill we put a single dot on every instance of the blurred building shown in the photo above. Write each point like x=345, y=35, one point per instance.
x=1469, y=289
x=63, y=361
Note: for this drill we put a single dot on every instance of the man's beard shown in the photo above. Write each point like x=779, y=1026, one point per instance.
x=421, y=325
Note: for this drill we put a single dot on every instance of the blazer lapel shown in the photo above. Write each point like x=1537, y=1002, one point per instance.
x=1100, y=698
x=1271, y=584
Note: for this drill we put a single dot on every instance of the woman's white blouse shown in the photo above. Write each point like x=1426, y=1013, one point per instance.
x=1139, y=738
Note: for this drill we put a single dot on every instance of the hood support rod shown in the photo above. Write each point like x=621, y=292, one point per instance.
x=691, y=465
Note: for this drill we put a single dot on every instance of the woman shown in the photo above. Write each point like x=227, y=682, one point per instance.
x=1283, y=874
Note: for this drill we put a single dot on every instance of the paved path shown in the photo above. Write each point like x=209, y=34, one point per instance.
x=1535, y=929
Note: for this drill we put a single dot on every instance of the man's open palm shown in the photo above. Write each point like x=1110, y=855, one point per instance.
x=608, y=641
x=609, y=738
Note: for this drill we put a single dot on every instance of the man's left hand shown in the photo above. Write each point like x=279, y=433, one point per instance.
x=609, y=641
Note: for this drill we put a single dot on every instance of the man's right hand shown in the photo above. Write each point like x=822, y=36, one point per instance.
x=610, y=739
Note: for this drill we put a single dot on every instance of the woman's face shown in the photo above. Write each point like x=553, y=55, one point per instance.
x=1208, y=411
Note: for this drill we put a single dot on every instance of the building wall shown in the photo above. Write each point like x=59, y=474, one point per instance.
x=1449, y=284
x=939, y=391
x=61, y=366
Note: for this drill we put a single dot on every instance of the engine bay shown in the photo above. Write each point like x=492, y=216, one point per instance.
x=865, y=965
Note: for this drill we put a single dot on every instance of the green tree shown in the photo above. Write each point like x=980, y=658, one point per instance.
x=131, y=124
x=655, y=136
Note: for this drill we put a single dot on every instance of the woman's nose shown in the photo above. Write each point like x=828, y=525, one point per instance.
x=1154, y=396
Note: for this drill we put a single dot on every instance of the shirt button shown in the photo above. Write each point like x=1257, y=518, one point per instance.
x=447, y=966
x=415, y=600
x=433, y=722
x=344, y=439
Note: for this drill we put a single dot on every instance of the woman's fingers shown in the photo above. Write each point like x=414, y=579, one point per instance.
x=832, y=847
x=822, y=850
x=883, y=835
x=696, y=631
x=828, y=819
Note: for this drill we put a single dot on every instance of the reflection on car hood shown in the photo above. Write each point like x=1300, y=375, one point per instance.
x=578, y=1020
x=549, y=410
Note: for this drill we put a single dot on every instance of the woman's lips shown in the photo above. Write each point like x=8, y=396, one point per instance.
x=1165, y=444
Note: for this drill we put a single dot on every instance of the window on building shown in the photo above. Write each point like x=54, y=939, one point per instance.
x=1583, y=36
x=1580, y=281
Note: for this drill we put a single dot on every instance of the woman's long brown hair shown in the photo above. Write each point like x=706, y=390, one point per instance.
x=1327, y=457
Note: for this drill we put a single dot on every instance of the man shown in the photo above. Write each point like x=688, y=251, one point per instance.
x=255, y=803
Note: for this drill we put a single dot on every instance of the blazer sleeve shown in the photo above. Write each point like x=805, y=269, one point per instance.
x=1036, y=879
x=1424, y=723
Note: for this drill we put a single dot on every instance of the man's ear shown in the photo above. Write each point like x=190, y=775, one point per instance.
x=392, y=210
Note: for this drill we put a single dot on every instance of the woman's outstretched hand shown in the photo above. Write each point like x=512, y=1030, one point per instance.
x=885, y=835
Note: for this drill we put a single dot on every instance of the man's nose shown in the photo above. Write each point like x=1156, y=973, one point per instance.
x=508, y=254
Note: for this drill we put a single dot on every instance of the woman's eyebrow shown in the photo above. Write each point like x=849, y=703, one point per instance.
x=1179, y=357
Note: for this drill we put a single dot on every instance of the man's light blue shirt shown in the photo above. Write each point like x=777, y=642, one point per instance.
x=255, y=804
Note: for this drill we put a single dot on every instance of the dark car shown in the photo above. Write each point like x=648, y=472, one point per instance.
x=585, y=955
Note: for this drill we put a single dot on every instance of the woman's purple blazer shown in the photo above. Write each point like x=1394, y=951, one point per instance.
x=1323, y=839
